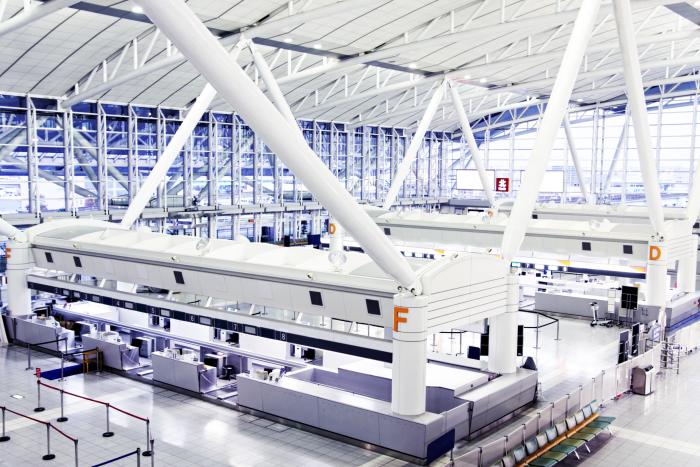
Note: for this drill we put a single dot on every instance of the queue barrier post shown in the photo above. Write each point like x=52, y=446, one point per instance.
x=153, y=452
x=48, y=455
x=39, y=408
x=29, y=357
x=108, y=433
x=62, y=418
x=138, y=457
x=147, y=452
x=75, y=442
x=4, y=437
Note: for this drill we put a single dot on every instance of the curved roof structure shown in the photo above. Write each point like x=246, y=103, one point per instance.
x=355, y=61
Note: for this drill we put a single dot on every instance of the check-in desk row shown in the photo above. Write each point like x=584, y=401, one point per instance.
x=33, y=329
x=183, y=370
x=115, y=352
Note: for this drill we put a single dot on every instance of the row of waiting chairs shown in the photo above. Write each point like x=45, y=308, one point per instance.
x=557, y=442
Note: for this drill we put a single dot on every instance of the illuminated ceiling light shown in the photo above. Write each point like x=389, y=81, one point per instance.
x=579, y=100
x=136, y=9
x=288, y=40
x=483, y=80
x=467, y=76
x=412, y=66
x=318, y=46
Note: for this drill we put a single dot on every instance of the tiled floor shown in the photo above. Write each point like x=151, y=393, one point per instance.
x=658, y=430
x=188, y=432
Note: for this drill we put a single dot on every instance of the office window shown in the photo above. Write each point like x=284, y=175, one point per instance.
x=586, y=246
x=178, y=277
x=627, y=249
x=316, y=298
x=78, y=263
x=373, y=307
x=49, y=257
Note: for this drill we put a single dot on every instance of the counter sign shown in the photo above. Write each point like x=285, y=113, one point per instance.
x=503, y=185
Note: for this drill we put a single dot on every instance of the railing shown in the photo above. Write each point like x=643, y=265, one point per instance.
x=108, y=433
x=608, y=385
x=48, y=456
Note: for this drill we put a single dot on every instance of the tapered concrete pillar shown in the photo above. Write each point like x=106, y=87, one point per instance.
x=656, y=281
x=410, y=355
x=503, y=332
x=19, y=261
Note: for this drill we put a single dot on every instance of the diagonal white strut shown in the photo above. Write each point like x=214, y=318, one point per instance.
x=209, y=57
x=405, y=166
x=471, y=142
x=549, y=127
x=618, y=150
x=575, y=159
x=272, y=86
x=10, y=231
x=175, y=145
x=638, y=108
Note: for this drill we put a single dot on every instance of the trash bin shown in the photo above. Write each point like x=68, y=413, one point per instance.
x=643, y=380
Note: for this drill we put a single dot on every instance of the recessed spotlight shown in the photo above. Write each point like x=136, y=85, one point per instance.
x=579, y=100
x=136, y=9
x=17, y=396
x=467, y=76
x=412, y=66
x=318, y=46
x=483, y=80
x=288, y=40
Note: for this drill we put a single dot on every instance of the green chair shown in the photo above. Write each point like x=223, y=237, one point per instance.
x=568, y=442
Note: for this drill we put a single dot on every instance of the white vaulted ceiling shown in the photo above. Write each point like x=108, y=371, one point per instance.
x=376, y=61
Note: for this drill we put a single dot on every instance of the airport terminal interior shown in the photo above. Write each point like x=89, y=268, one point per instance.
x=349, y=233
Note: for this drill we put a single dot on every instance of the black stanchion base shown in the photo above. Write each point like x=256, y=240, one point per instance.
x=49, y=457
x=147, y=453
x=39, y=409
x=4, y=438
x=62, y=419
x=107, y=434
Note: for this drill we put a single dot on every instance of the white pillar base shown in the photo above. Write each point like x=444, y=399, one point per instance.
x=19, y=261
x=410, y=355
x=503, y=333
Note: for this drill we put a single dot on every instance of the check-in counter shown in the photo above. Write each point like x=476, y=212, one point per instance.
x=115, y=353
x=187, y=374
x=32, y=330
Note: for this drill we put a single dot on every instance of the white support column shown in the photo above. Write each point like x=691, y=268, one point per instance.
x=656, y=280
x=547, y=133
x=410, y=355
x=276, y=94
x=209, y=57
x=503, y=332
x=405, y=166
x=471, y=142
x=576, y=160
x=19, y=261
x=687, y=268
x=638, y=109
x=165, y=161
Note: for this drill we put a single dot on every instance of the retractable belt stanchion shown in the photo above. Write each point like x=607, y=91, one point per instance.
x=108, y=433
x=48, y=456
x=4, y=437
x=38, y=408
